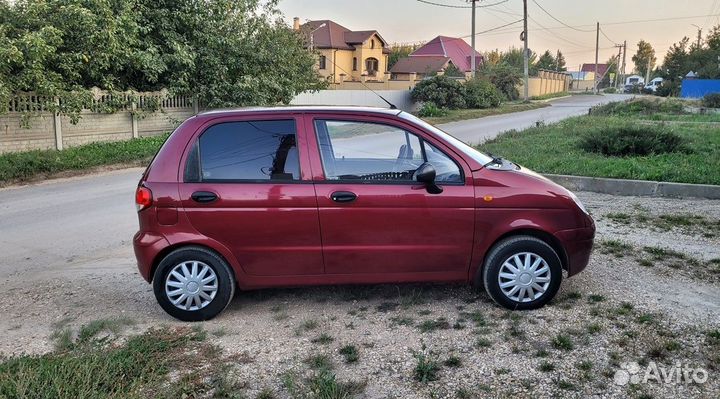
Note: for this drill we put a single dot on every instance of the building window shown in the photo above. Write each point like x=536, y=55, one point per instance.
x=371, y=65
x=372, y=43
x=323, y=60
x=354, y=63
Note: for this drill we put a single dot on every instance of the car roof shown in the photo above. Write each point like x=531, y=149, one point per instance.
x=302, y=108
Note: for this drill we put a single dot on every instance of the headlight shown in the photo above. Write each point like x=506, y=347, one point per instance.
x=578, y=203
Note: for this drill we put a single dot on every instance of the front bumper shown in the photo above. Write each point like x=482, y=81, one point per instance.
x=147, y=246
x=578, y=244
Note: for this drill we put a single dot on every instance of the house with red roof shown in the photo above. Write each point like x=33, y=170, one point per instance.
x=344, y=54
x=435, y=57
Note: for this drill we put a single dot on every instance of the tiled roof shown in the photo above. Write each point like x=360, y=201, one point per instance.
x=423, y=64
x=455, y=48
x=335, y=36
x=601, y=69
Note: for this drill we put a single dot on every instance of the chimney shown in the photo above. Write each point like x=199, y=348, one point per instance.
x=296, y=23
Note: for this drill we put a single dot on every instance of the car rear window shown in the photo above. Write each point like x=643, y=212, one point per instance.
x=246, y=151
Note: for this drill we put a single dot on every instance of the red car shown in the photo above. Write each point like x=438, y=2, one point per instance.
x=296, y=196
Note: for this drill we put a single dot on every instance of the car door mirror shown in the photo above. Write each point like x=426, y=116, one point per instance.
x=426, y=174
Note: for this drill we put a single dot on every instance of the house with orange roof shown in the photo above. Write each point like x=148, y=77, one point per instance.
x=344, y=54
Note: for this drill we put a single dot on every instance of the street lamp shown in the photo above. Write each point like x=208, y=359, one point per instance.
x=312, y=41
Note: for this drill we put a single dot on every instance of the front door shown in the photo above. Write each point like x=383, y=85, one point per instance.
x=374, y=217
x=243, y=187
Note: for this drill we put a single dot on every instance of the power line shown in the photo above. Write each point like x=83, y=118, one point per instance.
x=606, y=36
x=553, y=17
x=457, y=6
x=492, y=29
x=556, y=35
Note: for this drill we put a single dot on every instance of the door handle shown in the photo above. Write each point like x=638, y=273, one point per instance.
x=204, y=197
x=343, y=196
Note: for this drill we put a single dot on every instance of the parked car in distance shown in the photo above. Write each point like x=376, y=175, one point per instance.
x=654, y=84
x=293, y=196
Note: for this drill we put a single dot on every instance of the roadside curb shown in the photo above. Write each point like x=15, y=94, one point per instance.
x=641, y=188
x=547, y=100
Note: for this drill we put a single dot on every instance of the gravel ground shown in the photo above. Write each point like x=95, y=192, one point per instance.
x=617, y=311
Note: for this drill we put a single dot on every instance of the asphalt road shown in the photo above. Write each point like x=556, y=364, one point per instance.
x=80, y=221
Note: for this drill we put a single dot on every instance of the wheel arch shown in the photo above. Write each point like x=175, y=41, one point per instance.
x=170, y=248
x=546, y=237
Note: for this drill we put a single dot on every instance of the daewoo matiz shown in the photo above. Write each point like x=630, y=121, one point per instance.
x=296, y=196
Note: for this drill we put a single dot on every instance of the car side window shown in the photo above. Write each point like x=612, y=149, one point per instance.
x=447, y=171
x=246, y=151
x=366, y=151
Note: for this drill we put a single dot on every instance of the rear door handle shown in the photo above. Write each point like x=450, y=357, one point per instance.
x=204, y=197
x=343, y=196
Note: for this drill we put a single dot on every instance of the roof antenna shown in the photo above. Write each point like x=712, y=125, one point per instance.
x=392, y=106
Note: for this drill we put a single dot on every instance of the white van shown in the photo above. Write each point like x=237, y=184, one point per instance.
x=654, y=84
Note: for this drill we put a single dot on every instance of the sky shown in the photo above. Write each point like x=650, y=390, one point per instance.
x=404, y=21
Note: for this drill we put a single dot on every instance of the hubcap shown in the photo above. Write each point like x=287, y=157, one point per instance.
x=524, y=277
x=191, y=285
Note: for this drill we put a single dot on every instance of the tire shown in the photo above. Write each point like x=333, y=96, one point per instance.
x=208, y=297
x=525, y=247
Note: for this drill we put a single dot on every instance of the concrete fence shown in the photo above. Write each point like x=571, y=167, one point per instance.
x=29, y=125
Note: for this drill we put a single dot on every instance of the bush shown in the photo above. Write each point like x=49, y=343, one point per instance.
x=445, y=92
x=711, y=100
x=668, y=89
x=609, y=90
x=644, y=106
x=480, y=93
x=429, y=110
x=505, y=78
x=632, y=141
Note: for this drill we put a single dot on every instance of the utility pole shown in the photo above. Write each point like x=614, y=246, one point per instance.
x=597, y=49
x=525, y=52
x=617, y=65
x=472, y=40
x=699, y=35
x=623, y=64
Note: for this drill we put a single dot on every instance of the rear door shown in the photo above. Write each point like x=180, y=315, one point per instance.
x=374, y=217
x=246, y=186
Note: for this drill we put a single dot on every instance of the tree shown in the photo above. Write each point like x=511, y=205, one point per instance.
x=546, y=61
x=225, y=52
x=644, y=58
x=676, y=62
x=560, y=62
x=493, y=57
x=398, y=51
x=503, y=76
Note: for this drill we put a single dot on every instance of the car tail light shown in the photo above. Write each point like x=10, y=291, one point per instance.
x=143, y=198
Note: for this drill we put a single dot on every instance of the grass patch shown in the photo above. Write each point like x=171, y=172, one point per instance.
x=546, y=367
x=100, y=369
x=615, y=247
x=550, y=95
x=24, y=166
x=323, y=384
x=632, y=140
x=563, y=342
x=350, y=353
x=556, y=149
x=322, y=339
x=454, y=115
x=690, y=223
x=453, y=361
x=427, y=367
x=433, y=325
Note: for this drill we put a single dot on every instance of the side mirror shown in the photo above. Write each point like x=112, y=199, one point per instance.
x=426, y=174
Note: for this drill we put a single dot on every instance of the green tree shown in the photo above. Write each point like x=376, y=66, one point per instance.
x=677, y=60
x=644, y=58
x=546, y=61
x=226, y=52
x=560, y=62
x=398, y=51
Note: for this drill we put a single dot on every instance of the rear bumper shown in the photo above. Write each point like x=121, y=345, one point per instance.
x=147, y=246
x=578, y=244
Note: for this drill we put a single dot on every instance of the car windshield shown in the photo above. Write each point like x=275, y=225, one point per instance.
x=480, y=157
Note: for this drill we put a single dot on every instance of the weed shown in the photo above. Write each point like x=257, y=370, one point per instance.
x=319, y=362
x=402, y=321
x=615, y=247
x=542, y=353
x=433, y=325
x=322, y=339
x=350, y=352
x=483, y=343
x=387, y=307
x=427, y=367
x=563, y=342
x=546, y=367
x=594, y=328
x=453, y=361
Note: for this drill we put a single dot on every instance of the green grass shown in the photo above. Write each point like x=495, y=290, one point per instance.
x=556, y=149
x=24, y=166
x=350, y=353
x=551, y=95
x=98, y=369
x=455, y=115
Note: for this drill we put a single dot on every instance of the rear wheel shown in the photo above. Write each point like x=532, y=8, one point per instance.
x=193, y=284
x=522, y=272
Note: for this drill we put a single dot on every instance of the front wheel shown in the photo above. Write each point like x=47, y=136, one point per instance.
x=193, y=284
x=522, y=272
